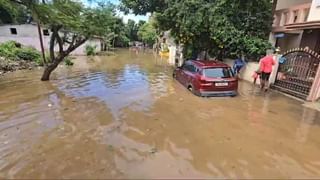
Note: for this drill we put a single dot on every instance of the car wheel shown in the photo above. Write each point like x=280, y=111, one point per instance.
x=190, y=88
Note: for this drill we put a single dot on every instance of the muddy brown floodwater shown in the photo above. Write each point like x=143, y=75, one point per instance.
x=125, y=117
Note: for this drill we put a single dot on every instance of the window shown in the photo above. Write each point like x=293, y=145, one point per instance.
x=285, y=18
x=218, y=73
x=192, y=68
x=317, y=3
x=189, y=67
x=295, y=16
x=13, y=30
x=46, y=32
x=306, y=14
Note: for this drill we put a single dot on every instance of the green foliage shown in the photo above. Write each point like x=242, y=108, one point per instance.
x=90, y=50
x=147, y=33
x=143, y=6
x=133, y=28
x=222, y=27
x=12, y=14
x=8, y=50
x=28, y=53
x=68, y=61
x=15, y=51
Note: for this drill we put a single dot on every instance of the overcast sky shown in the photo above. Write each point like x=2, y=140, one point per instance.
x=121, y=14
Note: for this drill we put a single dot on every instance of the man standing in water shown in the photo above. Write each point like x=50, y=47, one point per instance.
x=266, y=64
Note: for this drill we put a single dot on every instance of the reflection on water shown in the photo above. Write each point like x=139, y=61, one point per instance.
x=124, y=117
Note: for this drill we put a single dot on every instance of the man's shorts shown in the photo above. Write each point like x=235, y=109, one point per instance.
x=265, y=76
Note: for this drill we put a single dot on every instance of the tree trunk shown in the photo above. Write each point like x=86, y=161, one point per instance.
x=56, y=60
x=41, y=44
x=51, y=67
x=47, y=72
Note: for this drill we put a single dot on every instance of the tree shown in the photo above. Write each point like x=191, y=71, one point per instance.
x=12, y=14
x=143, y=7
x=133, y=28
x=147, y=33
x=121, y=38
x=71, y=25
x=221, y=27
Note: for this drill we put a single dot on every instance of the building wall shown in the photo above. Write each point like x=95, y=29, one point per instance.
x=24, y=30
x=314, y=11
x=315, y=89
x=289, y=41
x=27, y=34
x=247, y=72
x=310, y=38
x=283, y=4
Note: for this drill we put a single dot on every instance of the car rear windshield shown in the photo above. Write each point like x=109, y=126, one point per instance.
x=222, y=72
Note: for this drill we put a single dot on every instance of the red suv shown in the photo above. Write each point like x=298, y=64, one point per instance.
x=207, y=78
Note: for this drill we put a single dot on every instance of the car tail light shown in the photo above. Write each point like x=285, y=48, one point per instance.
x=233, y=83
x=204, y=82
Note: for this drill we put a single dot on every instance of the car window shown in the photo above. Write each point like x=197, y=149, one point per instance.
x=190, y=68
x=218, y=72
x=185, y=67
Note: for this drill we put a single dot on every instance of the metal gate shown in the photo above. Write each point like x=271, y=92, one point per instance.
x=297, y=71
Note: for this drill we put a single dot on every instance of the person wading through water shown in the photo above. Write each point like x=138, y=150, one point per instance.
x=266, y=64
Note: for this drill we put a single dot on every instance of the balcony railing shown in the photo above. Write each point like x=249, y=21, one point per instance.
x=293, y=15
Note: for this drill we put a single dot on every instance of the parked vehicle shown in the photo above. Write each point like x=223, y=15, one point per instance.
x=207, y=78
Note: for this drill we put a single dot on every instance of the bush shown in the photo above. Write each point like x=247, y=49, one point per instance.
x=28, y=53
x=15, y=51
x=8, y=50
x=68, y=62
x=90, y=50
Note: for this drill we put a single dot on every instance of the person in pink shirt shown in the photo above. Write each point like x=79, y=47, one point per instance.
x=266, y=64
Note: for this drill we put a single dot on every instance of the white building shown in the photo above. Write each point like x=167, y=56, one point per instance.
x=27, y=34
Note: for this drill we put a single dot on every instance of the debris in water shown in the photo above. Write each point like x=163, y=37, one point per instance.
x=153, y=150
x=110, y=147
x=49, y=105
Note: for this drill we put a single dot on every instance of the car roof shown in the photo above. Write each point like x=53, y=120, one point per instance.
x=209, y=63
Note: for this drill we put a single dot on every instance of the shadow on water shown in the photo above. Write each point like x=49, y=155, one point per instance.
x=125, y=117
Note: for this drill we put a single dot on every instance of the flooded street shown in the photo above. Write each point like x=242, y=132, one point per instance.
x=125, y=117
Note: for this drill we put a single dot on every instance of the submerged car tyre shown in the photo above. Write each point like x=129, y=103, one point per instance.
x=174, y=75
x=193, y=91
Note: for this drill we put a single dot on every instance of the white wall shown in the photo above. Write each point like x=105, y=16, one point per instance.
x=81, y=50
x=24, y=30
x=284, y=4
x=247, y=72
x=314, y=14
x=27, y=34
